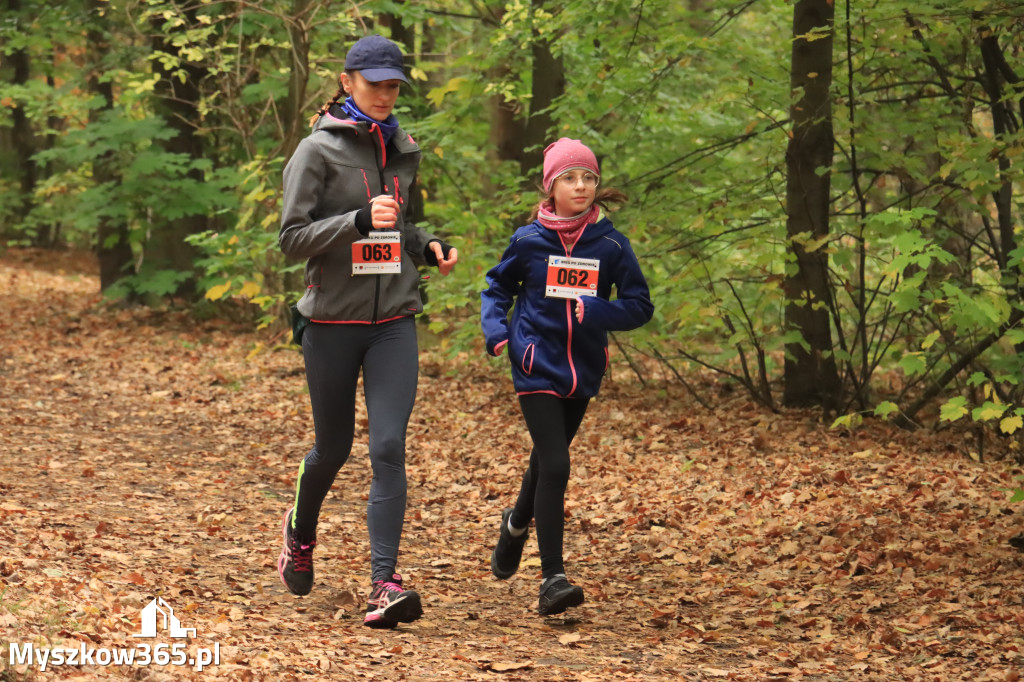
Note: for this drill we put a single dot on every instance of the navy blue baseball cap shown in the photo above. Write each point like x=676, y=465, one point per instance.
x=377, y=58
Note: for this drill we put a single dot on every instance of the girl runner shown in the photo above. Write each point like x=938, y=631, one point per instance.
x=559, y=272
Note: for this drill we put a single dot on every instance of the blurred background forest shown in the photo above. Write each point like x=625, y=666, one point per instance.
x=824, y=196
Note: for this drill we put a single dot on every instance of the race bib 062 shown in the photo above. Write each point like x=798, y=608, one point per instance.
x=571, y=277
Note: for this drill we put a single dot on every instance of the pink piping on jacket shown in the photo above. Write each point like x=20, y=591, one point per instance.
x=366, y=182
x=529, y=352
x=568, y=350
x=384, y=163
x=383, y=150
x=346, y=121
x=390, y=319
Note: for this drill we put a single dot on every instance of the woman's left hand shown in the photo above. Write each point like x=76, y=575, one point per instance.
x=444, y=265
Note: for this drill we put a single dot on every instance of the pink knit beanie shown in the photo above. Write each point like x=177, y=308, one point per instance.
x=565, y=155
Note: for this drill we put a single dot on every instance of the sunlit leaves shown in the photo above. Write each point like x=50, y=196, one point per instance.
x=988, y=411
x=913, y=363
x=454, y=85
x=885, y=409
x=1012, y=424
x=218, y=291
x=954, y=409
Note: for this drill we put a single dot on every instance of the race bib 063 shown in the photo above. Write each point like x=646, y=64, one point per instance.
x=572, y=277
x=379, y=253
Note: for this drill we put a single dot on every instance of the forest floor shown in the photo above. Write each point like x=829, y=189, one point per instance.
x=146, y=454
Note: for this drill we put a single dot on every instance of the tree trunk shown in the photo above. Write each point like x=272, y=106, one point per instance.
x=405, y=35
x=112, y=247
x=23, y=137
x=506, y=131
x=178, y=105
x=1006, y=125
x=51, y=234
x=548, y=85
x=507, y=125
x=294, y=115
x=810, y=371
x=402, y=33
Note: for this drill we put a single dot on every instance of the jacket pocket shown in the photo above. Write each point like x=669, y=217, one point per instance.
x=314, y=271
x=527, y=362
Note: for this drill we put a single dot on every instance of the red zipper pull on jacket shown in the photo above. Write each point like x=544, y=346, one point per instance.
x=366, y=183
x=383, y=150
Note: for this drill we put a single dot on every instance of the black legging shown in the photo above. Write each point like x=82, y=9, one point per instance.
x=387, y=355
x=553, y=423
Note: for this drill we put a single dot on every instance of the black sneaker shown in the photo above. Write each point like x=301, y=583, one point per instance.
x=557, y=595
x=391, y=604
x=509, y=551
x=1017, y=542
x=295, y=565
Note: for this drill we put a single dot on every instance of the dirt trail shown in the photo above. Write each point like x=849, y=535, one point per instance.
x=147, y=454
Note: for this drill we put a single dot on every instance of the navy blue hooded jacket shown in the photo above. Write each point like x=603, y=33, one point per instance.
x=549, y=350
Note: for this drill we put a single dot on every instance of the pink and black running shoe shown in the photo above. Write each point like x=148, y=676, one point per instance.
x=391, y=604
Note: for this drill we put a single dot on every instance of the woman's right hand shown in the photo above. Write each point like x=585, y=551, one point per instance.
x=384, y=212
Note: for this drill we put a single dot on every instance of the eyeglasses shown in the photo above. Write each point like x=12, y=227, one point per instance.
x=572, y=178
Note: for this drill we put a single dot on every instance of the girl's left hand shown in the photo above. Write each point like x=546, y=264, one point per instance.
x=579, y=310
x=444, y=265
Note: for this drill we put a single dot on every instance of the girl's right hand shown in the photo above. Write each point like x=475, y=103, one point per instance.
x=384, y=212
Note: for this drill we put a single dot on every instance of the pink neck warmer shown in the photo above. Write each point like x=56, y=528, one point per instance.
x=568, y=229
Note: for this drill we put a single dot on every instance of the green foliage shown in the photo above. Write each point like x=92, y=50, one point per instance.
x=243, y=261
x=142, y=172
x=885, y=408
x=1017, y=494
x=690, y=121
x=924, y=278
x=147, y=188
x=159, y=282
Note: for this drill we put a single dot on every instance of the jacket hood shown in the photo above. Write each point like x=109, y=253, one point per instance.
x=331, y=121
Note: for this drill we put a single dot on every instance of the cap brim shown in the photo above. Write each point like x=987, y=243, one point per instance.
x=378, y=75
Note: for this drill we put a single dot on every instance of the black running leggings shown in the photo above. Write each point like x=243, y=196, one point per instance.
x=553, y=423
x=388, y=357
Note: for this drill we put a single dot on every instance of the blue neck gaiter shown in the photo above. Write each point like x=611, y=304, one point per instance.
x=388, y=126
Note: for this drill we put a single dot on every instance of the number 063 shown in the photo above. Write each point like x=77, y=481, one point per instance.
x=376, y=252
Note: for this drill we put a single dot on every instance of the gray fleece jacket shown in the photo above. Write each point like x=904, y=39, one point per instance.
x=334, y=173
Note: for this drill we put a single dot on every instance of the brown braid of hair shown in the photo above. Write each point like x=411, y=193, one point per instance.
x=604, y=198
x=327, y=105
